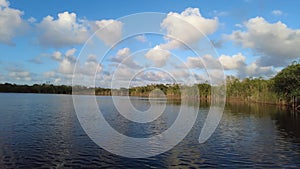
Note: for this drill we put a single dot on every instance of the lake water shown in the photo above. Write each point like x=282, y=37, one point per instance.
x=42, y=131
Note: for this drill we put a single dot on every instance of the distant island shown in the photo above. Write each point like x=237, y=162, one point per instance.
x=283, y=89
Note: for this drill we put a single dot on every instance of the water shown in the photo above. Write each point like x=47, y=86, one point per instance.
x=42, y=131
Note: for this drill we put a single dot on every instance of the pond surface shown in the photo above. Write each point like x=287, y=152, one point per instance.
x=42, y=131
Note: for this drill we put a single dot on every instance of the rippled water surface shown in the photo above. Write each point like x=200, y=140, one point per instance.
x=42, y=131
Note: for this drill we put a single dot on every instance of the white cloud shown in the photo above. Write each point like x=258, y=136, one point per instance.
x=141, y=38
x=109, y=31
x=206, y=61
x=11, y=23
x=31, y=20
x=238, y=62
x=49, y=74
x=208, y=69
x=92, y=58
x=254, y=70
x=232, y=62
x=57, y=56
x=274, y=42
x=123, y=73
x=235, y=62
x=154, y=76
x=55, y=77
x=66, y=66
x=123, y=52
x=194, y=62
x=85, y=68
x=158, y=56
x=123, y=56
x=177, y=27
x=20, y=75
x=66, y=30
x=57, y=81
x=239, y=25
x=91, y=66
x=277, y=12
x=70, y=52
x=68, y=55
x=4, y=3
x=183, y=76
x=210, y=62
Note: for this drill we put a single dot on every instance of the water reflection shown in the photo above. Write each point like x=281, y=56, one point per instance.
x=289, y=124
x=39, y=131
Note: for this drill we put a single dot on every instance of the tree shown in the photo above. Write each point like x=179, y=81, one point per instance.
x=287, y=81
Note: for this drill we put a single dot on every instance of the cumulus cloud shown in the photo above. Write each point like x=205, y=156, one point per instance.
x=238, y=63
x=232, y=62
x=194, y=62
x=123, y=73
x=274, y=42
x=185, y=76
x=70, y=52
x=123, y=56
x=57, y=56
x=109, y=31
x=239, y=25
x=66, y=66
x=123, y=52
x=141, y=38
x=154, y=76
x=179, y=74
x=31, y=20
x=57, y=78
x=254, y=70
x=4, y=3
x=235, y=62
x=205, y=61
x=177, y=27
x=20, y=75
x=49, y=74
x=90, y=66
x=124, y=76
x=67, y=63
x=11, y=23
x=66, y=30
x=210, y=62
x=158, y=55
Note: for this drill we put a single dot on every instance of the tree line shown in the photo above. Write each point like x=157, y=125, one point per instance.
x=36, y=88
x=284, y=88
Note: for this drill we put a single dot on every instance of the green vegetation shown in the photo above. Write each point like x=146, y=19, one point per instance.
x=283, y=89
x=174, y=90
x=287, y=82
x=36, y=88
x=252, y=90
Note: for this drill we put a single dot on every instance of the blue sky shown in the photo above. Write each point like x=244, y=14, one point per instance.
x=253, y=38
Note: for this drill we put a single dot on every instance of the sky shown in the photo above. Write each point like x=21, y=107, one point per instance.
x=185, y=41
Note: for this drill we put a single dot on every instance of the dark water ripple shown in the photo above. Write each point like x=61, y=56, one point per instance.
x=42, y=131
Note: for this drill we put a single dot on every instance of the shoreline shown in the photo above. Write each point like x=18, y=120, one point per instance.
x=203, y=99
